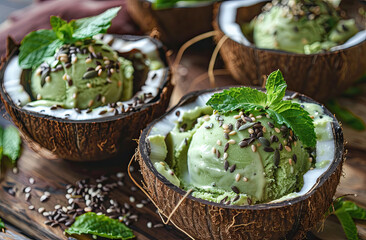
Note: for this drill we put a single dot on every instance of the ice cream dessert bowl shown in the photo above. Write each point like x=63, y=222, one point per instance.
x=83, y=95
x=248, y=165
x=314, y=37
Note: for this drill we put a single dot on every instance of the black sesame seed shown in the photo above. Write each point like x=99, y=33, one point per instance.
x=226, y=165
x=274, y=138
x=276, y=157
x=294, y=157
x=268, y=149
x=236, y=198
x=235, y=189
x=177, y=113
x=280, y=147
x=243, y=144
x=226, y=147
x=249, y=201
x=232, y=168
x=284, y=129
x=270, y=125
x=226, y=135
x=218, y=154
x=230, y=127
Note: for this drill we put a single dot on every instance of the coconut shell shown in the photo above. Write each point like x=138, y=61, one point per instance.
x=201, y=219
x=175, y=25
x=320, y=76
x=86, y=140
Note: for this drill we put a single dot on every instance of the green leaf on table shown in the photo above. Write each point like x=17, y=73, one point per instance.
x=36, y=47
x=282, y=111
x=347, y=223
x=12, y=143
x=100, y=225
x=2, y=225
x=345, y=116
x=88, y=27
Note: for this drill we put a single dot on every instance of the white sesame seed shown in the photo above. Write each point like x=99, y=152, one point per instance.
x=277, y=130
x=290, y=161
x=39, y=96
x=225, y=155
x=237, y=116
x=90, y=102
x=288, y=149
x=38, y=72
x=107, y=62
x=103, y=99
x=225, y=126
x=99, y=213
x=251, y=115
x=31, y=180
x=70, y=201
x=64, y=209
x=149, y=224
x=27, y=189
x=98, y=68
x=132, y=199
x=48, y=79
x=109, y=210
x=111, y=70
x=31, y=207
x=237, y=177
x=218, y=142
x=226, y=130
x=120, y=175
x=15, y=170
x=74, y=95
x=259, y=116
x=87, y=209
x=243, y=118
x=231, y=141
x=213, y=150
x=90, y=48
x=46, y=194
x=250, y=131
x=41, y=209
x=57, y=207
x=74, y=59
x=264, y=129
x=45, y=214
x=100, y=71
x=232, y=133
x=310, y=159
x=254, y=148
x=89, y=85
x=139, y=205
x=206, y=118
x=253, y=119
x=245, y=179
x=70, y=190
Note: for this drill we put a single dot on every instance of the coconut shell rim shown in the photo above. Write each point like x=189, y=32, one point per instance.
x=282, y=52
x=167, y=78
x=338, y=155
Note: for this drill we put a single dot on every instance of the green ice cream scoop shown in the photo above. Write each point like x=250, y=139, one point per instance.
x=301, y=26
x=82, y=75
x=246, y=155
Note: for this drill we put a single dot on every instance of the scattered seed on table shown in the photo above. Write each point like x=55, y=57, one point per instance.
x=132, y=199
x=31, y=180
x=31, y=207
x=139, y=205
x=149, y=224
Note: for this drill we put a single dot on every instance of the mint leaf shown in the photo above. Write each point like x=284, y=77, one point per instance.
x=346, y=116
x=12, y=143
x=100, y=225
x=276, y=88
x=237, y=98
x=37, y=46
x=283, y=112
x=88, y=27
x=347, y=223
x=295, y=117
x=62, y=29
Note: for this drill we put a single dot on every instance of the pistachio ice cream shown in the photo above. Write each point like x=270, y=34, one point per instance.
x=84, y=75
x=300, y=26
x=238, y=157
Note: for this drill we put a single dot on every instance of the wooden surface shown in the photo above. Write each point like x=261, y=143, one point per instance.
x=54, y=175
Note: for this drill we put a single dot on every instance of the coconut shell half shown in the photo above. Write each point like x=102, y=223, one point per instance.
x=175, y=25
x=88, y=140
x=201, y=219
x=320, y=76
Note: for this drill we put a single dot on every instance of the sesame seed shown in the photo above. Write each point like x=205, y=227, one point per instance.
x=232, y=168
x=232, y=133
x=237, y=116
x=225, y=155
x=290, y=161
x=89, y=85
x=213, y=150
x=225, y=126
x=250, y=131
x=100, y=71
x=243, y=118
x=149, y=224
x=139, y=205
x=231, y=141
x=132, y=199
x=90, y=103
x=226, y=131
x=259, y=116
x=237, y=177
x=206, y=118
x=88, y=60
x=310, y=159
x=254, y=148
x=226, y=165
x=31, y=180
x=264, y=129
x=41, y=210
x=103, y=99
x=31, y=207
x=288, y=149
x=277, y=130
x=235, y=189
x=218, y=142
x=39, y=96
x=88, y=209
x=270, y=125
x=98, y=68
x=245, y=179
x=38, y=72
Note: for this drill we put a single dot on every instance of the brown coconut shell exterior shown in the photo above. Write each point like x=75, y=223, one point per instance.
x=202, y=219
x=175, y=25
x=87, y=140
x=320, y=76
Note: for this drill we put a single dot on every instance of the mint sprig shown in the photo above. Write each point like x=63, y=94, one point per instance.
x=281, y=111
x=346, y=211
x=100, y=225
x=41, y=44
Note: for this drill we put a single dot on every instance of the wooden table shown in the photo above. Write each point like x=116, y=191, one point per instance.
x=53, y=175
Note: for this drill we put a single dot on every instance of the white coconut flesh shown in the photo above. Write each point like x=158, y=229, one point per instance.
x=325, y=148
x=227, y=21
x=152, y=85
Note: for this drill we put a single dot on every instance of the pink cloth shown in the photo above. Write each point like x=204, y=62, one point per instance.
x=38, y=14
